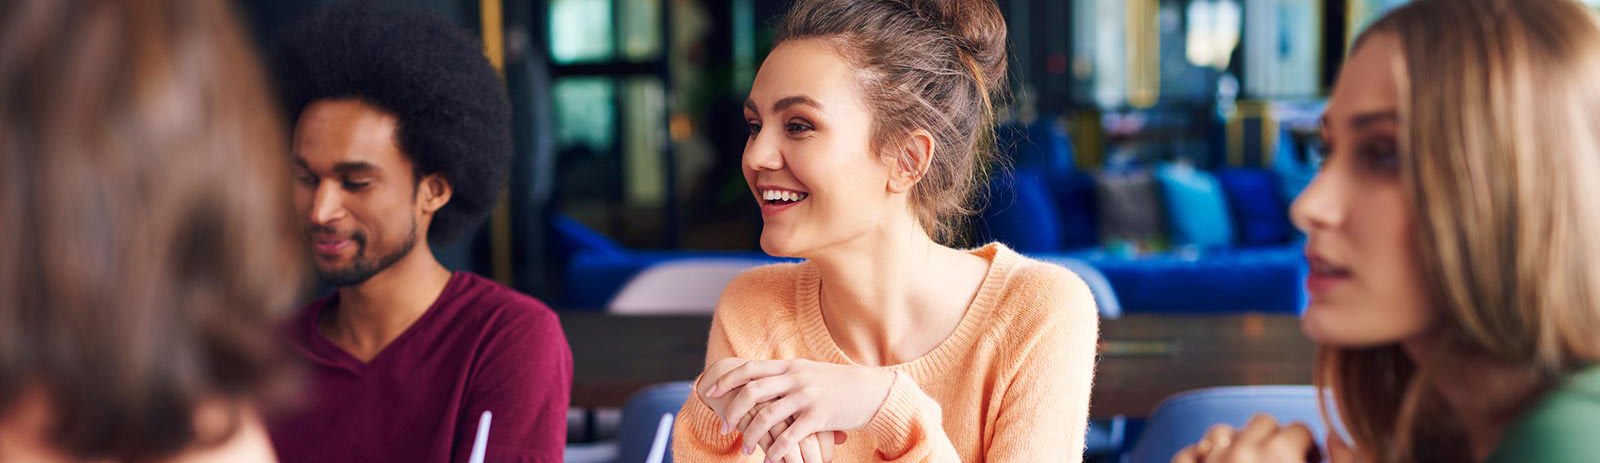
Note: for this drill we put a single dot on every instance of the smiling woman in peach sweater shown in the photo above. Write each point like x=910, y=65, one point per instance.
x=867, y=137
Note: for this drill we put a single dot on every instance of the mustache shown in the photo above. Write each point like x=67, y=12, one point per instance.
x=357, y=236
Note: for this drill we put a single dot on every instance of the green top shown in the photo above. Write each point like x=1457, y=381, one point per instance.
x=1563, y=427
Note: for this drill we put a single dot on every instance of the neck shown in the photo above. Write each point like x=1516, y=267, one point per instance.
x=873, y=287
x=374, y=312
x=1484, y=395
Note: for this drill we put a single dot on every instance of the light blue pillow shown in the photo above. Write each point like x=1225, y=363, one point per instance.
x=1197, y=208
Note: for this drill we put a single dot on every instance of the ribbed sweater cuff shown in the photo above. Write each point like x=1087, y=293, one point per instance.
x=706, y=427
x=903, y=419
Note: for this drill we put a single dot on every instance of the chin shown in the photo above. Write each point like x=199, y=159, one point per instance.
x=1336, y=330
x=778, y=244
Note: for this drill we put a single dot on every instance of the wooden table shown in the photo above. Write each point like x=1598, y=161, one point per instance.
x=1143, y=358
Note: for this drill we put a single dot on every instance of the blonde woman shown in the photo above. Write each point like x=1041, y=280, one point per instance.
x=867, y=125
x=1455, y=283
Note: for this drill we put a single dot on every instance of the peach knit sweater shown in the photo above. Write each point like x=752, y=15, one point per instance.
x=1010, y=385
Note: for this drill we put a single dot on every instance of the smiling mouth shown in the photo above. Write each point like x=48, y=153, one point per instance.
x=782, y=197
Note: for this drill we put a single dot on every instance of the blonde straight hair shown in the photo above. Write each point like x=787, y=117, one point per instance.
x=1500, y=114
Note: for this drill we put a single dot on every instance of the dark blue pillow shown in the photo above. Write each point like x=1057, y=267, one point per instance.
x=1080, y=214
x=1260, y=214
x=1020, y=213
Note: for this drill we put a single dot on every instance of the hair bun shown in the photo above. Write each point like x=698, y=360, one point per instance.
x=981, y=30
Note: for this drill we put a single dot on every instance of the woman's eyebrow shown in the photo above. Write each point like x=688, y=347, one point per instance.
x=1364, y=120
x=784, y=103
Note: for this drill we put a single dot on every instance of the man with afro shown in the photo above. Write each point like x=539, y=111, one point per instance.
x=402, y=141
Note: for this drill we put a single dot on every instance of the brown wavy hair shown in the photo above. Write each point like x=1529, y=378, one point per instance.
x=935, y=65
x=148, y=237
x=1500, y=147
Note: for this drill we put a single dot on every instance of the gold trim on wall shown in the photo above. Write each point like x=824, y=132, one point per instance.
x=1144, y=52
x=500, y=219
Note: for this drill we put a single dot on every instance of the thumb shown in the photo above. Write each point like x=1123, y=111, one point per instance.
x=1338, y=451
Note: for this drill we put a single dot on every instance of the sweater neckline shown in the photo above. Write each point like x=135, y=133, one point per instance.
x=1002, y=261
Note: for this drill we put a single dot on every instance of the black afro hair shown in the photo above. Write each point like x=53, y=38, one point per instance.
x=454, y=116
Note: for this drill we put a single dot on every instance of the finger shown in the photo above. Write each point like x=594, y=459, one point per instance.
x=769, y=417
x=748, y=372
x=717, y=370
x=1338, y=451
x=790, y=454
x=1190, y=454
x=1260, y=427
x=804, y=426
x=810, y=450
x=762, y=390
x=745, y=422
x=1295, y=442
x=766, y=440
x=1217, y=439
x=825, y=445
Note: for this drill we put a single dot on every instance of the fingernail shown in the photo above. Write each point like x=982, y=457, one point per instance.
x=712, y=392
x=747, y=450
x=725, y=428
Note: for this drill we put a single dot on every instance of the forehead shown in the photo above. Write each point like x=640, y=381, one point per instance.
x=1368, y=82
x=806, y=67
x=333, y=131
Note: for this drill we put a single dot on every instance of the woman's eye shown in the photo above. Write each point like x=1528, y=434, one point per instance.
x=752, y=129
x=1381, y=157
x=796, y=127
x=356, y=184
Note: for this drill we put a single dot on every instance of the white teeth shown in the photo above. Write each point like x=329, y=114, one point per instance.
x=781, y=195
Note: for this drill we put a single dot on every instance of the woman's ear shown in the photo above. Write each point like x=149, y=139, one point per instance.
x=912, y=161
x=434, y=192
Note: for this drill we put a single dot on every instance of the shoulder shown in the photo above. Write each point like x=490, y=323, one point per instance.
x=509, y=316
x=500, y=302
x=1044, y=296
x=1560, y=428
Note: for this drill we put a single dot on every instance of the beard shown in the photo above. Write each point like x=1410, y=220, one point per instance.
x=362, y=267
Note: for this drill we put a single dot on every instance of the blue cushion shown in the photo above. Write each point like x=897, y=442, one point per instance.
x=1055, y=146
x=1077, y=206
x=1219, y=281
x=1260, y=215
x=1021, y=213
x=1196, y=206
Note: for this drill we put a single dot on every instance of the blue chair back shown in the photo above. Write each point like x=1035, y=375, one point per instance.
x=1181, y=420
x=642, y=415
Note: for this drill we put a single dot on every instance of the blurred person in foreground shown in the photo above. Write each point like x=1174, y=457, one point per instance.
x=402, y=141
x=1455, y=280
x=147, y=247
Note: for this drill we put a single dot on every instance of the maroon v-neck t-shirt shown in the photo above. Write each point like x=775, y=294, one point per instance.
x=481, y=346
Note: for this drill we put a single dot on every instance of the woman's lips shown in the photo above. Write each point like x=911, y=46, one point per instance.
x=1324, y=276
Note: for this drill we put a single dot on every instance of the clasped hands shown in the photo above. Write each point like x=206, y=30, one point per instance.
x=1263, y=440
x=795, y=411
